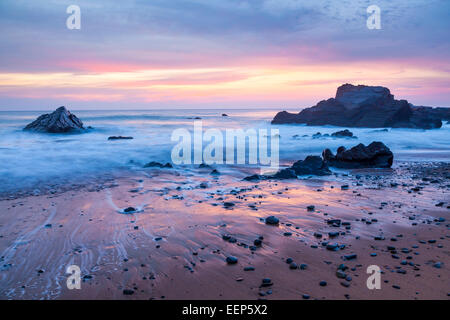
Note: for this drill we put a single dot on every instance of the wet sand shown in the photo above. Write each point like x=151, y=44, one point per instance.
x=175, y=245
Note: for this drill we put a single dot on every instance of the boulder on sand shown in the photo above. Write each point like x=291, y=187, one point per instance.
x=375, y=155
x=59, y=121
x=313, y=165
x=365, y=106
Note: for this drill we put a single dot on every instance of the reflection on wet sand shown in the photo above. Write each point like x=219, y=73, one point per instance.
x=175, y=243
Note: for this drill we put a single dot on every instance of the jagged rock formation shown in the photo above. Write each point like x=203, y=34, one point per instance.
x=59, y=121
x=375, y=155
x=365, y=106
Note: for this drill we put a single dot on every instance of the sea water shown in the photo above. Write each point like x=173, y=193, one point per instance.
x=30, y=159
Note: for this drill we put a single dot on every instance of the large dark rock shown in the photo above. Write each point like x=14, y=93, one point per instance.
x=287, y=173
x=365, y=106
x=312, y=165
x=441, y=113
x=375, y=155
x=60, y=121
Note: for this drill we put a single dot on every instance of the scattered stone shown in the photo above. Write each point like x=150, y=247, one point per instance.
x=231, y=260
x=228, y=205
x=272, y=220
x=266, y=282
x=128, y=292
x=341, y=274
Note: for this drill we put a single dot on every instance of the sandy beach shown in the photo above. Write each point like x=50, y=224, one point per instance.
x=175, y=244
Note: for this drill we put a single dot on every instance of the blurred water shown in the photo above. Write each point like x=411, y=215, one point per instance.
x=31, y=158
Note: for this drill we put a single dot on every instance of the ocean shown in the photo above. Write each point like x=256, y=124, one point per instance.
x=29, y=160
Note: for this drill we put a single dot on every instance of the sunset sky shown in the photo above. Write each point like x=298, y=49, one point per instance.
x=218, y=53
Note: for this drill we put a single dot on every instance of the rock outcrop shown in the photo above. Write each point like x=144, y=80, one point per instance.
x=375, y=155
x=154, y=164
x=59, y=121
x=312, y=165
x=365, y=106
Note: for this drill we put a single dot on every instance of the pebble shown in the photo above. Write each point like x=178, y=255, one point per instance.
x=266, y=282
x=272, y=220
x=350, y=256
x=341, y=274
x=128, y=292
x=231, y=260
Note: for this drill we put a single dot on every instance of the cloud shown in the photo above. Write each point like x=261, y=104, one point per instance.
x=143, y=35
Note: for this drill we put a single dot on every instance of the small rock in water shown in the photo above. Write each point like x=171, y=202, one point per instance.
x=310, y=208
x=215, y=172
x=129, y=210
x=120, y=138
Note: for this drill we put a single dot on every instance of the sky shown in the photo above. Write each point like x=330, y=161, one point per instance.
x=157, y=54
